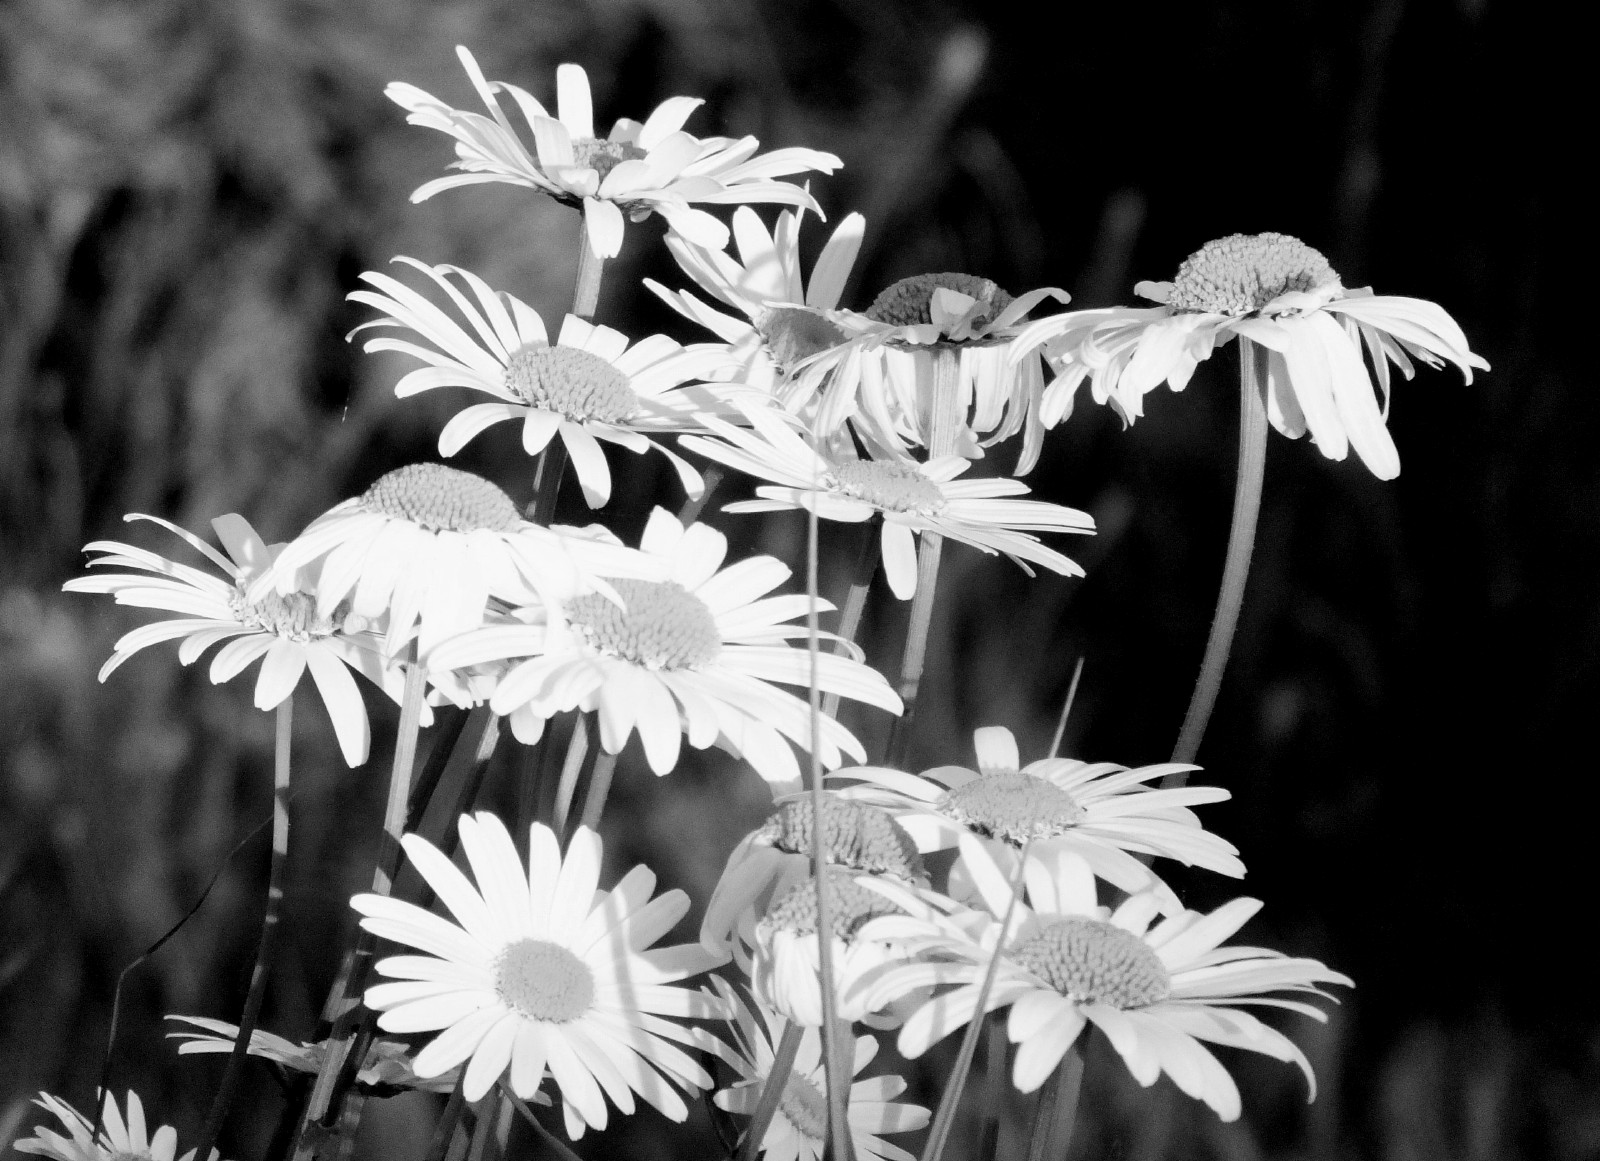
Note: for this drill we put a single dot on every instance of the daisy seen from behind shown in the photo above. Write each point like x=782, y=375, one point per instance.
x=589, y=384
x=287, y=631
x=542, y=970
x=119, y=1140
x=1158, y=992
x=799, y=1128
x=910, y=498
x=637, y=169
x=1270, y=291
x=692, y=652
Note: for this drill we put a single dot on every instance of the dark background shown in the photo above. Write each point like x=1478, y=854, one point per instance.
x=189, y=189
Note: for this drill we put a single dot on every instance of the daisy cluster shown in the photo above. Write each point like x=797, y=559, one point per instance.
x=936, y=897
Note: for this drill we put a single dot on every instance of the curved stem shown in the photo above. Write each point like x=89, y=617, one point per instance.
x=1236, y=568
x=269, y=930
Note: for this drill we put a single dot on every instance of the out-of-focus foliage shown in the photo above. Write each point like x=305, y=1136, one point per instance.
x=188, y=188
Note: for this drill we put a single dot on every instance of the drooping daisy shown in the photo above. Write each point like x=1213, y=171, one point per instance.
x=588, y=385
x=799, y=1128
x=429, y=545
x=786, y=319
x=636, y=170
x=1275, y=291
x=883, y=380
x=118, y=1141
x=1155, y=991
x=1100, y=811
x=910, y=497
x=286, y=631
x=693, y=654
x=540, y=969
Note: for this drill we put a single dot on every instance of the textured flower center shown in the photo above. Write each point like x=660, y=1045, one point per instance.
x=1013, y=806
x=604, y=156
x=124, y=1155
x=806, y=1106
x=571, y=382
x=909, y=301
x=849, y=906
x=543, y=981
x=1095, y=962
x=855, y=835
x=438, y=497
x=665, y=626
x=888, y=485
x=293, y=615
x=793, y=334
x=1243, y=272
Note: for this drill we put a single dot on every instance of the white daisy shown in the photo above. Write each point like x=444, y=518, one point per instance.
x=1097, y=810
x=883, y=378
x=429, y=545
x=1156, y=992
x=637, y=169
x=118, y=1141
x=799, y=1127
x=786, y=318
x=911, y=498
x=1275, y=291
x=588, y=385
x=286, y=631
x=541, y=970
x=693, y=654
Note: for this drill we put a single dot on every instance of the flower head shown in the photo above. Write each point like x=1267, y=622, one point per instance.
x=1271, y=291
x=637, y=169
x=588, y=385
x=691, y=652
x=910, y=498
x=540, y=969
x=118, y=1140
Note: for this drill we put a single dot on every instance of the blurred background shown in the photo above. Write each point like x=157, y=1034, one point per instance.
x=189, y=188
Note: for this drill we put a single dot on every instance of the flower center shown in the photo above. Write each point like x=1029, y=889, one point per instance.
x=604, y=156
x=1095, y=962
x=1013, y=806
x=665, y=626
x=894, y=487
x=849, y=906
x=122, y=1155
x=573, y=383
x=856, y=835
x=293, y=615
x=543, y=981
x=794, y=333
x=1243, y=272
x=441, y=498
x=907, y=302
x=806, y=1106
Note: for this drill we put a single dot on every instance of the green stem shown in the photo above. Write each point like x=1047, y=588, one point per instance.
x=1066, y=710
x=444, y=1129
x=692, y=507
x=855, y=600
x=994, y=1067
x=551, y=1141
x=1057, y=1112
x=566, y=791
x=547, y=482
x=772, y=1092
x=594, y=801
x=269, y=930
x=586, y=292
x=1236, y=568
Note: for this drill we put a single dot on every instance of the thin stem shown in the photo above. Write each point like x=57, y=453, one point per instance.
x=692, y=507
x=772, y=1092
x=855, y=600
x=444, y=1129
x=269, y=930
x=547, y=482
x=994, y=1068
x=594, y=802
x=551, y=1141
x=586, y=294
x=577, y=750
x=1066, y=709
x=1057, y=1112
x=1235, y=570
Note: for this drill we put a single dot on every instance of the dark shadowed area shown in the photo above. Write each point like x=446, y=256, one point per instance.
x=189, y=188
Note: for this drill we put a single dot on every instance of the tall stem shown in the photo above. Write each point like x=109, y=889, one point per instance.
x=855, y=600
x=772, y=1092
x=586, y=293
x=1058, y=1109
x=1236, y=568
x=577, y=750
x=594, y=801
x=269, y=929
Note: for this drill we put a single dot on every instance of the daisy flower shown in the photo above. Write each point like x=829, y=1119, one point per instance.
x=287, y=631
x=883, y=378
x=118, y=1140
x=1099, y=811
x=1279, y=293
x=799, y=1128
x=637, y=169
x=785, y=318
x=1155, y=991
x=588, y=385
x=911, y=498
x=429, y=545
x=693, y=653
x=540, y=969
